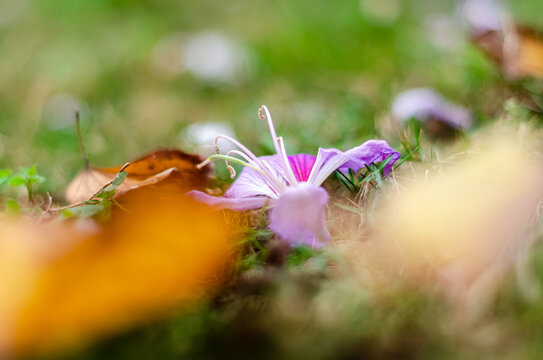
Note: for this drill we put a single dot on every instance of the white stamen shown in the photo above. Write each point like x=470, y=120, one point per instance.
x=278, y=144
x=231, y=170
x=278, y=178
x=237, y=152
x=235, y=160
x=203, y=163
x=273, y=182
x=268, y=118
x=237, y=143
x=264, y=169
x=245, y=153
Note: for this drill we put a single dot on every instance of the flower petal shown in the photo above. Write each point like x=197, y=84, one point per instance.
x=330, y=160
x=301, y=165
x=372, y=151
x=298, y=216
x=426, y=103
x=250, y=183
x=237, y=204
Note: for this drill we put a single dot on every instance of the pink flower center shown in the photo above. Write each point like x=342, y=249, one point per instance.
x=301, y=165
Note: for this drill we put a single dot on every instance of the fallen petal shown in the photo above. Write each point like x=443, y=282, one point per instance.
x=425, y=104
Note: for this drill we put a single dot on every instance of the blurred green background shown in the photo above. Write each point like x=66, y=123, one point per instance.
x=140, y=72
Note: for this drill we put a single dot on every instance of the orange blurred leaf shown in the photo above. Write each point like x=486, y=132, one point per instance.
x=158, y=255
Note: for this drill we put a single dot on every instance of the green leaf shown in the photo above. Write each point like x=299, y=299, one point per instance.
x=119, y=178
x=31, y=171
x=249, y=262
x=300, y=255
x=13, y=206
x=37, y=179
x=346, y=181
x=16, y=181
x=4, y=175
x=117, y=181
x=83, y=211
x=105, y=194
x=406, y=157
x=384, y=163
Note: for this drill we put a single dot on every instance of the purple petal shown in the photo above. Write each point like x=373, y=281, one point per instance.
x=298, y=216
x=328, y=161
x=425, y=103
x=484, y=15
x=251, y=183
x=301, y=165
x=237, y=204
x=372, y=151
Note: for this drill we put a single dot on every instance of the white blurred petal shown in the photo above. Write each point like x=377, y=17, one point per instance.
x=214, y=57
x=202, y=137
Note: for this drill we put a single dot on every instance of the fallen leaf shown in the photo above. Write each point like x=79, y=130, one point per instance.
x=529, y=59
x=518, y=50
x=172, y=168
x=159, y=255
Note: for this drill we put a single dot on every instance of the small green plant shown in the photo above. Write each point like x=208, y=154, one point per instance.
x=4, y=176
x=27, y=177
x=411, y=142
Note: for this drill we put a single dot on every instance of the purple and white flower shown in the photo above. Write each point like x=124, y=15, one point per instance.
x=290, y=185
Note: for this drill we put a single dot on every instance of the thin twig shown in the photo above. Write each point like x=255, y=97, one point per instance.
x=50, y=202
x=80, y=137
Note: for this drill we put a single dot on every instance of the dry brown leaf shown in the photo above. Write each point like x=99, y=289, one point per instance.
x=161, y=254
x=518, y=51
x=172, y=168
